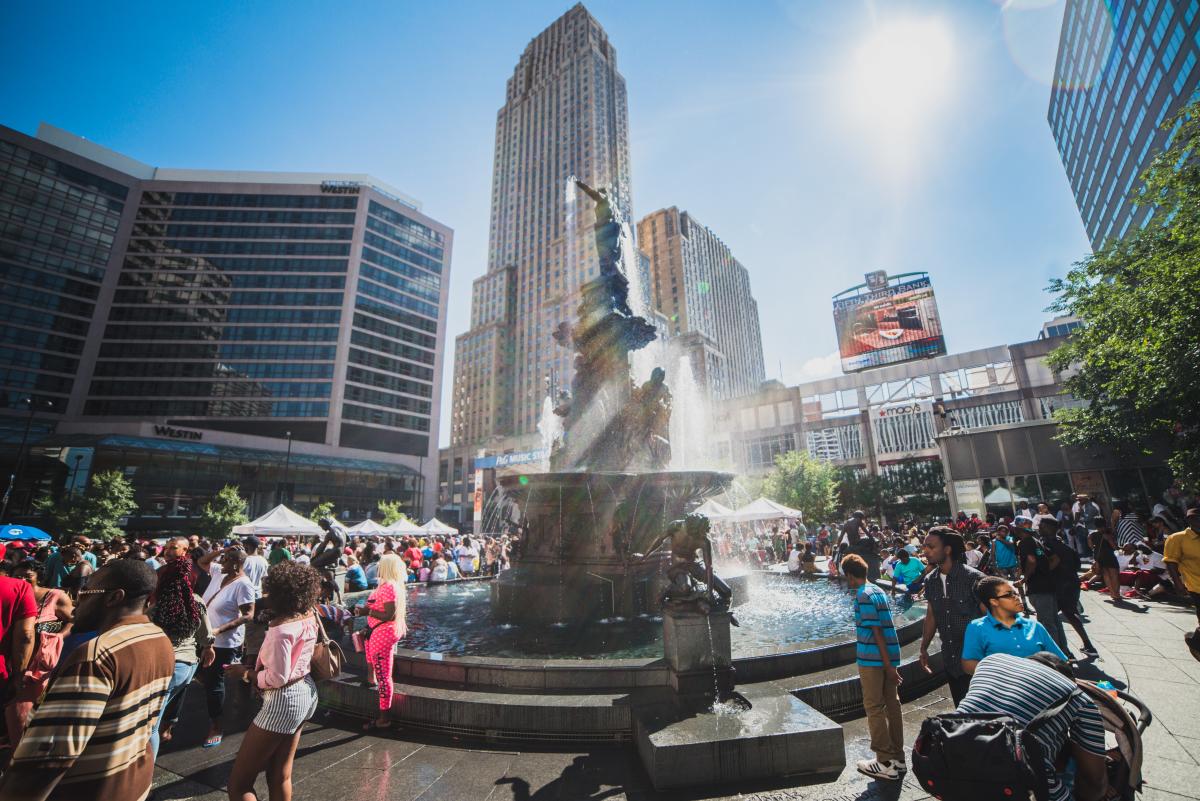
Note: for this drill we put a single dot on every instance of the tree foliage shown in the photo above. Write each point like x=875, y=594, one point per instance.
x=1136, y=353
x=107, y=498
x=803, y=483
x=323, y=509
x=390, y=513
x=225, y=510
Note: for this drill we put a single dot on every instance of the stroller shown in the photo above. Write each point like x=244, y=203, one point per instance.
x=1125, y=718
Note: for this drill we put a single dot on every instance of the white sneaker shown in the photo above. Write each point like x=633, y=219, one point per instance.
x=878, y=770
x=899, y=766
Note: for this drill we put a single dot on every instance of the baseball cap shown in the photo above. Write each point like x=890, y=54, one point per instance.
x=1022, y=520
x=251, y=543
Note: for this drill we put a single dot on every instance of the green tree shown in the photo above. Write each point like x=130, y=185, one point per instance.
x=802, y=482
x=1134, y=358
x=223, y=511
x=107, y=498
x=323, y=509
x=390, y=513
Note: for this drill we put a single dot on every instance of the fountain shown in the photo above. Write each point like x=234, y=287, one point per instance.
x=595, y=634
x=586, y=524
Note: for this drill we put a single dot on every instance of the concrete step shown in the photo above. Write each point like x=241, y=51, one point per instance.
x=494, y=714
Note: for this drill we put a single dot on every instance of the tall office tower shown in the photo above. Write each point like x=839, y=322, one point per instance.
x=191, y=328
x=565, y=114
x=702, y=289
x=1123, y=67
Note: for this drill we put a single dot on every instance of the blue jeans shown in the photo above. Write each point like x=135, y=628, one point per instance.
x=180, y=680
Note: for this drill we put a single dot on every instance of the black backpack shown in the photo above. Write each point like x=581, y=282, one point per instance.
x=984, y=757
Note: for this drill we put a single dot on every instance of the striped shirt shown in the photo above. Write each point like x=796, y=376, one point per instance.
x=1009, y=685
x=96, y=718
x=871, y=612
x=1130, y=530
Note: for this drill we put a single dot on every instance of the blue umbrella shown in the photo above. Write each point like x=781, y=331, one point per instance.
x=22, y=533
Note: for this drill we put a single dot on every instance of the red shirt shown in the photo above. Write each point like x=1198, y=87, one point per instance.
x=16, y=604
x=415, y=556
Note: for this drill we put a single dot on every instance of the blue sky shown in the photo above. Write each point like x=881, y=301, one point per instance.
x=757, y=117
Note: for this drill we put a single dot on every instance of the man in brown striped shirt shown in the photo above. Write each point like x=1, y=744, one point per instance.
x=89, y=737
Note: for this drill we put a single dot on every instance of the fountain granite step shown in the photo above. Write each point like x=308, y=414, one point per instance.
x=586, y=712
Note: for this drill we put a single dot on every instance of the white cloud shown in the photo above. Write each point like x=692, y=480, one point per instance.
x=821, y=367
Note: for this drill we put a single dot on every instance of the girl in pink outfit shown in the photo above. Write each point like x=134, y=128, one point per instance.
x=385, y=611
x=281, y=674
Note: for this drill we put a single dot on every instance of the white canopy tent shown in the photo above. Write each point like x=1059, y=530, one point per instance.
x=714, y=511
x=765, y=509
x=365, y=529
x=435, y=526
x=280, y=522
x=402, y=528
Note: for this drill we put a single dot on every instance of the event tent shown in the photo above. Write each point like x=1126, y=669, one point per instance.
x=765, y=509
x=402, y=527
x=435, y=526
x=714, y=511
x=279, y=522
x=365, y=529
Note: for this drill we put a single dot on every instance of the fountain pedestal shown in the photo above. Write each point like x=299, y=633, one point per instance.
x=697, y=649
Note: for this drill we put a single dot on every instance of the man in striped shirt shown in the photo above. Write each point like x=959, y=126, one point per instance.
x=1023, y=688
x=878, y=657
x=88, y=739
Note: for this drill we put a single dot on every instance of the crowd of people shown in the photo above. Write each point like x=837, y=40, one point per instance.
x=997, y=595
x=100, y=643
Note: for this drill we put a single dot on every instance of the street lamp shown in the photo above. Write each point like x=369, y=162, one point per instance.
x=287, y=466
x=75, y=472
x=12, y=477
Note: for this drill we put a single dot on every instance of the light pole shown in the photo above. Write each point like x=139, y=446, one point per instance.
x=75, y=472
x=12, y=477
x=287, y=466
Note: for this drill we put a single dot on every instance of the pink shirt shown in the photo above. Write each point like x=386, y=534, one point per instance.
x=286, y=652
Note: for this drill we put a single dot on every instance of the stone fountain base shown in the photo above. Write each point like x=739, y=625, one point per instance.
x=697, y=650
x=760, y=734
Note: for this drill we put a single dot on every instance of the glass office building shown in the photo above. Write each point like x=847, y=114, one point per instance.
x=193, y=328
x=1124, y=67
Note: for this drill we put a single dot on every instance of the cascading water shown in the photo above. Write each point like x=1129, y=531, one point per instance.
x=691, y=420
x=550, y=427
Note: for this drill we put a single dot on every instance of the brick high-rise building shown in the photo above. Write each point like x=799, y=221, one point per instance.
x=565, y=114
x=700, y=287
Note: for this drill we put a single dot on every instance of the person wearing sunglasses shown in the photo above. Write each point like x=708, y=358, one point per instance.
x=1004, y=630
x=89, y=737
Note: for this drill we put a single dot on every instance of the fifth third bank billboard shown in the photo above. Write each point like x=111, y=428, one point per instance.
x=887, y=320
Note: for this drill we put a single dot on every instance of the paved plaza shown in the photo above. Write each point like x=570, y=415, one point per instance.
x=1141, y=648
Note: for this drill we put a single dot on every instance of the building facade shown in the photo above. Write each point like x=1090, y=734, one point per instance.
x=1123, y=68
x=700, y=287
x=565, y=115
x=194, y=328
x=888, y=421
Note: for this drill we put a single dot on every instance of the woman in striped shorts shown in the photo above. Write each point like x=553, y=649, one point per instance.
x=281, y=674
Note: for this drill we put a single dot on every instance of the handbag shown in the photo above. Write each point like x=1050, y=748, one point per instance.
x=327, y=656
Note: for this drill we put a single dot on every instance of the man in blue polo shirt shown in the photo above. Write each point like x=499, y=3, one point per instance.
x=1004, y=630
x=878, y=659
x=1004, y=552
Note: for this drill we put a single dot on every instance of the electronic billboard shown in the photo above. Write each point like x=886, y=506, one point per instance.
x=887, y=320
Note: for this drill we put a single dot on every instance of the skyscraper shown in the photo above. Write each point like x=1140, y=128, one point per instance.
x=1123, y=68
x=565, y=114
x=702, y=289
x=191, y=328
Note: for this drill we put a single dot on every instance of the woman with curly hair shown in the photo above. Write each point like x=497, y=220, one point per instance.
x=281, y=674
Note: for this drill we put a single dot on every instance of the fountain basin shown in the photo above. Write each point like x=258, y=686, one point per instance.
x=582, y=536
